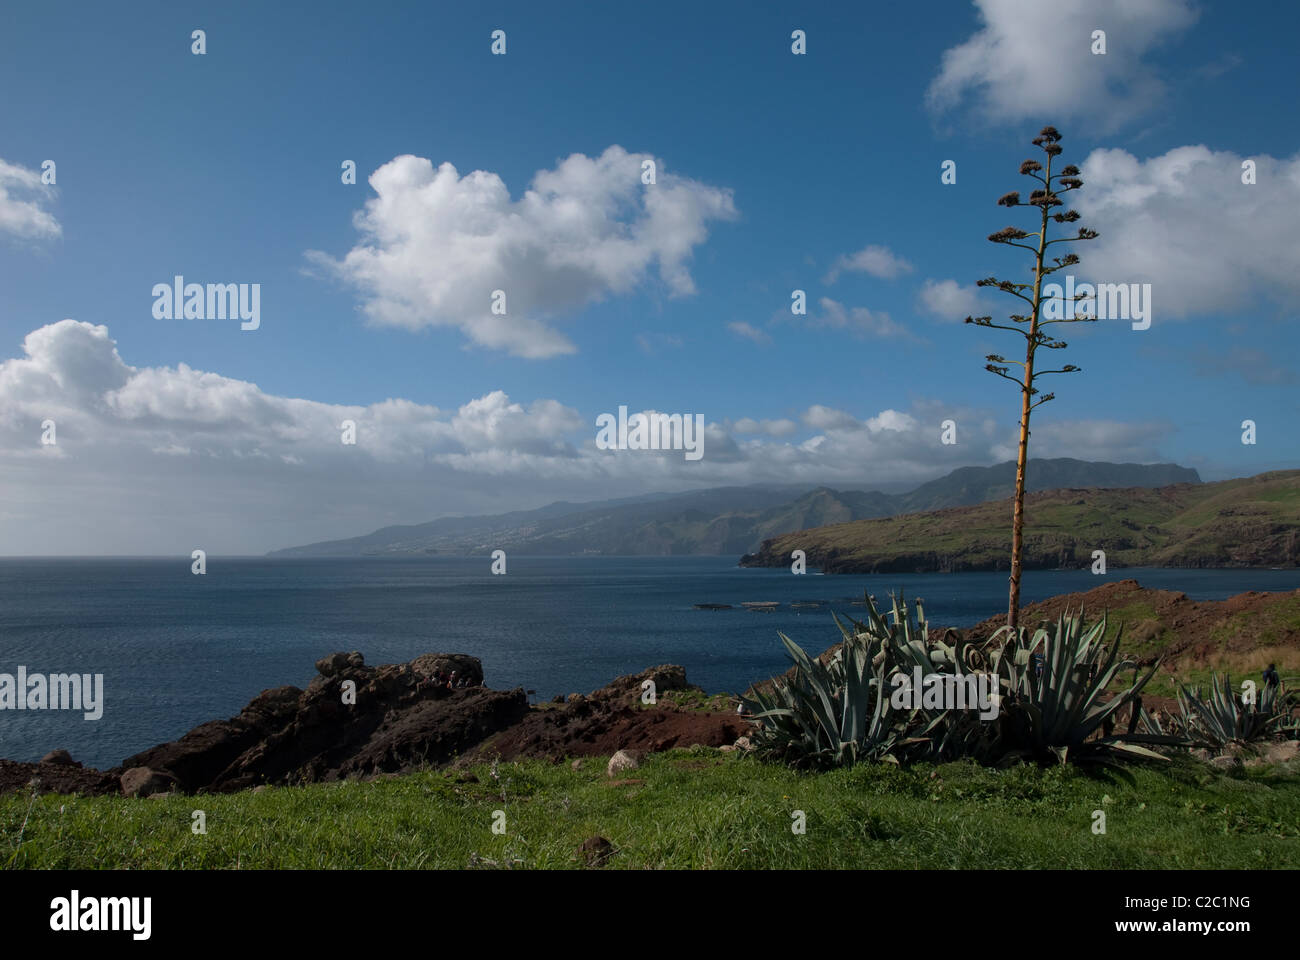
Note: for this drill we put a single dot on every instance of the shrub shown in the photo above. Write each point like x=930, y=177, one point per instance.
x=840, y=712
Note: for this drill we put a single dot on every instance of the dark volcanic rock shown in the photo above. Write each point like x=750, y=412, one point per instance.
x=351, y=719
x=337, y=662
x=627, y=689
x=463, y=664
x=55, y=778
x=358, y=721
x=612, y=719
x=200, y=758
x=437, y=730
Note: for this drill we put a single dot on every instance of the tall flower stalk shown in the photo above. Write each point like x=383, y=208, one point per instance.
x=1030, y=325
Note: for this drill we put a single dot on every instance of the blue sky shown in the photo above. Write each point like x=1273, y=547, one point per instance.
x=225, y=167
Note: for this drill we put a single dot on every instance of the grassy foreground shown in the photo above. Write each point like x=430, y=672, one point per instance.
x=689, y=809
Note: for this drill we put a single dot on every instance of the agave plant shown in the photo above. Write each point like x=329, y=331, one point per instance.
x=1222, y=717
x=840, y=712
x=1054, y=681
x=905, y=644
x=826, y=715
x=1286, y=704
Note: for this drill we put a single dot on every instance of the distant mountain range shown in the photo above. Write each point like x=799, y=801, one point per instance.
x=1251, y=522
x=721, y=521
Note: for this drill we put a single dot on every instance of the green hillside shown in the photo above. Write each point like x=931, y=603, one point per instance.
x=722, y=521
x=1251, y=522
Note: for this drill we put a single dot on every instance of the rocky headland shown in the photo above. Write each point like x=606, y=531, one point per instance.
x=358, y=721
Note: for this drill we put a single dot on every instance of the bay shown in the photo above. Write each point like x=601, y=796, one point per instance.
x=177, y=649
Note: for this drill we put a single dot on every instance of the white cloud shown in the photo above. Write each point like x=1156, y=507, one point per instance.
x=652, y=343
x=771, y=428
x=1110, y=440
x=891, y=420
x=22, y=200
x=166, y=459
x=435, y=245
x=1185, y=223
x=858, y=321
x=872, y=259
x=1034, y=60
x=819, y=417
x=747, y=330
x=951, y=300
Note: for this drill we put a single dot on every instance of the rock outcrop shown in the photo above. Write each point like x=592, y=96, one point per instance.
x=352, y=720
x=613, y=718
x=358, y=721
x=55, y=777
x=461, y=664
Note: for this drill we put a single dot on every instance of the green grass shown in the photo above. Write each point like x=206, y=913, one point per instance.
x=694, y=701
x=695, y=808
x=1128, y=617
x=1281, y=618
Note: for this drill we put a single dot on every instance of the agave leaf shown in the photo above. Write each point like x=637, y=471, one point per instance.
x=1126, y=746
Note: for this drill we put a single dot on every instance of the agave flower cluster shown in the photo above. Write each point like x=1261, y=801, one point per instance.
x=1052, y=686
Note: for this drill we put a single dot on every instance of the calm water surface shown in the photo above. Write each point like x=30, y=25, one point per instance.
x=177, y=649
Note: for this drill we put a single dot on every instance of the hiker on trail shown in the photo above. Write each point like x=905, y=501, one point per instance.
x=1271, y=679
x=1038, y=660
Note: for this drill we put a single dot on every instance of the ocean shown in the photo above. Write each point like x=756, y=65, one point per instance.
x=177, y=649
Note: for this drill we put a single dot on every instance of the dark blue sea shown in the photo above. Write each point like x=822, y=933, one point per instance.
x=177, y=649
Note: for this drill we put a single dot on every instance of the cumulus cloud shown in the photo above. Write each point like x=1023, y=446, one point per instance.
x=1034, y=60
x=169, y=459
x=22, y=204
x=435, y=245
x=771, y=428
x=872, y=259
x=73, y=372
x=748, y=331
x=1185, y=223
x=951, y=300
x=1118, y=441
x=828, y=418
x=859, y=321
